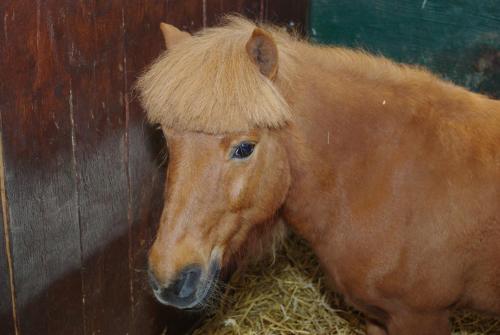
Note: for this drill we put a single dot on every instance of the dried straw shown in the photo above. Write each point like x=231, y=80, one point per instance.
x=289, y=297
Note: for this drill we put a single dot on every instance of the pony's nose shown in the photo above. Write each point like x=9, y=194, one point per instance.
x=186, y=283
x=182, y=290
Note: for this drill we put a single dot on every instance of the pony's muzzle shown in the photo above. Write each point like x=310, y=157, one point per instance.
x=182, y=291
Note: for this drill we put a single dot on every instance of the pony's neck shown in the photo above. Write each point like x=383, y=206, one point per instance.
x=307, y=208
x=346, y=105
x=329, y=102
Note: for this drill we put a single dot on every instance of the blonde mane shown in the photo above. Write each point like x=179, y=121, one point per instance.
x=208, y=83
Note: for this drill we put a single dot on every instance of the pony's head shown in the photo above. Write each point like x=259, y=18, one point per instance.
x=216, y=97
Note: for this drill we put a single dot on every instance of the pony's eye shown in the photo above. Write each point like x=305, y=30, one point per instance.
x=242, y=150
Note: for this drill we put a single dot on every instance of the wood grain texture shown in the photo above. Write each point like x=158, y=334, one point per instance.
x=7, y=316
x=39, y=173
x=96, y=65
x=460, y=40
x=289, y=13
x=143, y=43
x=7, y=300
x=187, y=15
x=216, y=9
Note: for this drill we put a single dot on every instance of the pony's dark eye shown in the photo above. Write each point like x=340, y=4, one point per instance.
x=243, y=150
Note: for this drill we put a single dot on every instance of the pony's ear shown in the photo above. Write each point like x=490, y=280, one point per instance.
x=264, y=53
x=172, y=35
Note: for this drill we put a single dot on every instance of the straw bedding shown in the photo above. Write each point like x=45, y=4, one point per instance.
x=287, y=295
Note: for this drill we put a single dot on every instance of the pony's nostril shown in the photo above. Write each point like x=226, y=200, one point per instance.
x=180, y=292
x=152, y=281
x=185, y=286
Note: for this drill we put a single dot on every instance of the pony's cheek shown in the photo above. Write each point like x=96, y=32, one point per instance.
x=236, y=193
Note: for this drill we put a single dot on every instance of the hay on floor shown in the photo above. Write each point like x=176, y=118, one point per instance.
x=289, y=297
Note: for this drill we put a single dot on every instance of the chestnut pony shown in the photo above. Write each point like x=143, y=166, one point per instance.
x=390, y=173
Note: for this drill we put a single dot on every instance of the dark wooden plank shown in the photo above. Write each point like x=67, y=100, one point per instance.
x=458, y=39
x=290, y=13
x=39, y=174
x=6, y=294
x=143, y=43
x=185, y=14
x=7, y=313
x=216, y=9
x=94, y=29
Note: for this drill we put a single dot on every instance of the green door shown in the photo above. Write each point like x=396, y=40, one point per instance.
x=458, y=39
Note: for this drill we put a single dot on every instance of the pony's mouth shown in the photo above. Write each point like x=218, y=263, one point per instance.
x=199, y=299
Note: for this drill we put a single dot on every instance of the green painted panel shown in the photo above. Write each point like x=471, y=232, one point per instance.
x=458, y=39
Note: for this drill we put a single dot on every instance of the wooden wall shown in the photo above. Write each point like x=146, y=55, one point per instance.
x=81, y=174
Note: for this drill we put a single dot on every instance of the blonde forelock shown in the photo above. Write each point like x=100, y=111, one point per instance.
x=209, y=83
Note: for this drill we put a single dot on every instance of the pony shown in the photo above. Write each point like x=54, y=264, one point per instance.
x=391, y=174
